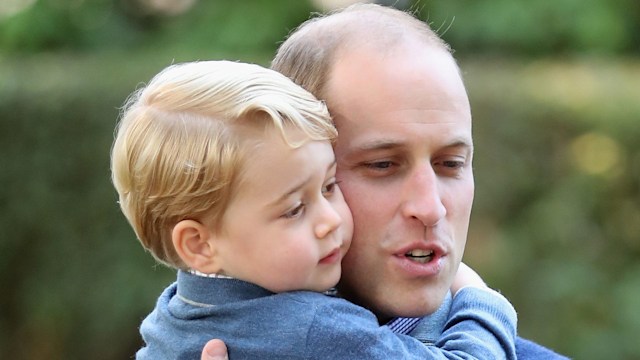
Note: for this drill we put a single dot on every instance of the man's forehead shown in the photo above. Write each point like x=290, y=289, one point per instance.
x=354, y=144
x=396, y=123
x=396, y=73
x=386, y=143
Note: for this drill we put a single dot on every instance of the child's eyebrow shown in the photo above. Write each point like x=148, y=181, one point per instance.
x=300, y=185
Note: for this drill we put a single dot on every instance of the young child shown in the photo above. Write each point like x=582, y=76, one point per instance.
x=225, y=171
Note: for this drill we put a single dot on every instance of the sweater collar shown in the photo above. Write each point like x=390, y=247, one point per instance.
x=206, y=291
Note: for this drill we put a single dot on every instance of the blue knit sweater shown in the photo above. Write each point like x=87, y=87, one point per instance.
x=258, y=324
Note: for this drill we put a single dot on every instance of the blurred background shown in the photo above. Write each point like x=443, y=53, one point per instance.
x=555, y=92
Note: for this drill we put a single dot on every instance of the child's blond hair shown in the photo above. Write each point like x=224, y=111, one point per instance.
x=177, y=153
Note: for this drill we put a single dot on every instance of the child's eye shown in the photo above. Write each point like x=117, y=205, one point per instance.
x=329, y=188
x=295, y=212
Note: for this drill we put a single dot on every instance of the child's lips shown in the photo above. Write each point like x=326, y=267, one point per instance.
x=333, y=257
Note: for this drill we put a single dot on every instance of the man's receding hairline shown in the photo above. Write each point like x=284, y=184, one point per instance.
x=342, y=31
x=354, y=27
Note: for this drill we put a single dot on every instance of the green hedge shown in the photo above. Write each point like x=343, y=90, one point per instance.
x=557, y=214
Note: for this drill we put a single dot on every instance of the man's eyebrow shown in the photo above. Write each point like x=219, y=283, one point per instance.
x=458, y=143
x=386, y=144
x=378, y=144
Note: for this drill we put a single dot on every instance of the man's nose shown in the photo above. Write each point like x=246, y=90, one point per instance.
x=328, y=219
x=422, y=198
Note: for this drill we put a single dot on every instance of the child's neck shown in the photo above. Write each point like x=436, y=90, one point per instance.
x=218, y=276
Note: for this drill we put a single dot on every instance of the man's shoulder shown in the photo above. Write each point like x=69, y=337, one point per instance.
x=527, y=349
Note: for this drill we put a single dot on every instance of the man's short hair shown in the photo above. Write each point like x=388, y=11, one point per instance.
x=309, y=52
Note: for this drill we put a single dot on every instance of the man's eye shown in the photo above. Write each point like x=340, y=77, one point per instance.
x=379, y=165
x=295, y=212
x=379, y=168
x=453, y=164
x=452, y=168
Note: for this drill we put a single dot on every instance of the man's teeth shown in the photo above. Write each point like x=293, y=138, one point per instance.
x=421, y=256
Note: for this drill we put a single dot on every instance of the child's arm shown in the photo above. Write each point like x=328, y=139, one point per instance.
x=466, y=276
x=480, y=316
x=437, y=329
x=469, y=290
x=481, y=325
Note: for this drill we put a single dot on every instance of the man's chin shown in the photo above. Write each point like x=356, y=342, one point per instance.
x=407, y=303
x=421, y=305
x=407, y=309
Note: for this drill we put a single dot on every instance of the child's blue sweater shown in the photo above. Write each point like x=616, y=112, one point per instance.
x=258, y=324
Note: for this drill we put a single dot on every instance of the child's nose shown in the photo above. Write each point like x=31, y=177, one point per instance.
x=329, y=219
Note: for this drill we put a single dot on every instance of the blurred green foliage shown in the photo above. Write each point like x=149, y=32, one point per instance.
x=557, y=212
x=534, y=28
x=556, y=224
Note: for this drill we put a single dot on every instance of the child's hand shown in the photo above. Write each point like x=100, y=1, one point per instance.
x=466, y=277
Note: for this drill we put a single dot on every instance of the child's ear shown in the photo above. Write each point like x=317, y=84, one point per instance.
x=194, y=244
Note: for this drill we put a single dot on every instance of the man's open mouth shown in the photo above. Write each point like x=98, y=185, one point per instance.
x=420, y=256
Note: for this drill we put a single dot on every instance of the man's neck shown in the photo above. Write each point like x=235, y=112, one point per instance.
x=427, y=329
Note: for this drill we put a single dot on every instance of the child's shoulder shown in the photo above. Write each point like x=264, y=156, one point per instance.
x=314, y=297
x=326, y=304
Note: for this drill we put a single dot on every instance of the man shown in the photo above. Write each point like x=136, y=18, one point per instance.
x=404, y=156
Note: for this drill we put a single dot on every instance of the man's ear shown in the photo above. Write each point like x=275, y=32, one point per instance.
x=195, y=245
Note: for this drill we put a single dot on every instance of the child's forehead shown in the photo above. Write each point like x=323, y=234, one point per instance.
x=271, y=163
x=257, y=135
x=272, y=145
